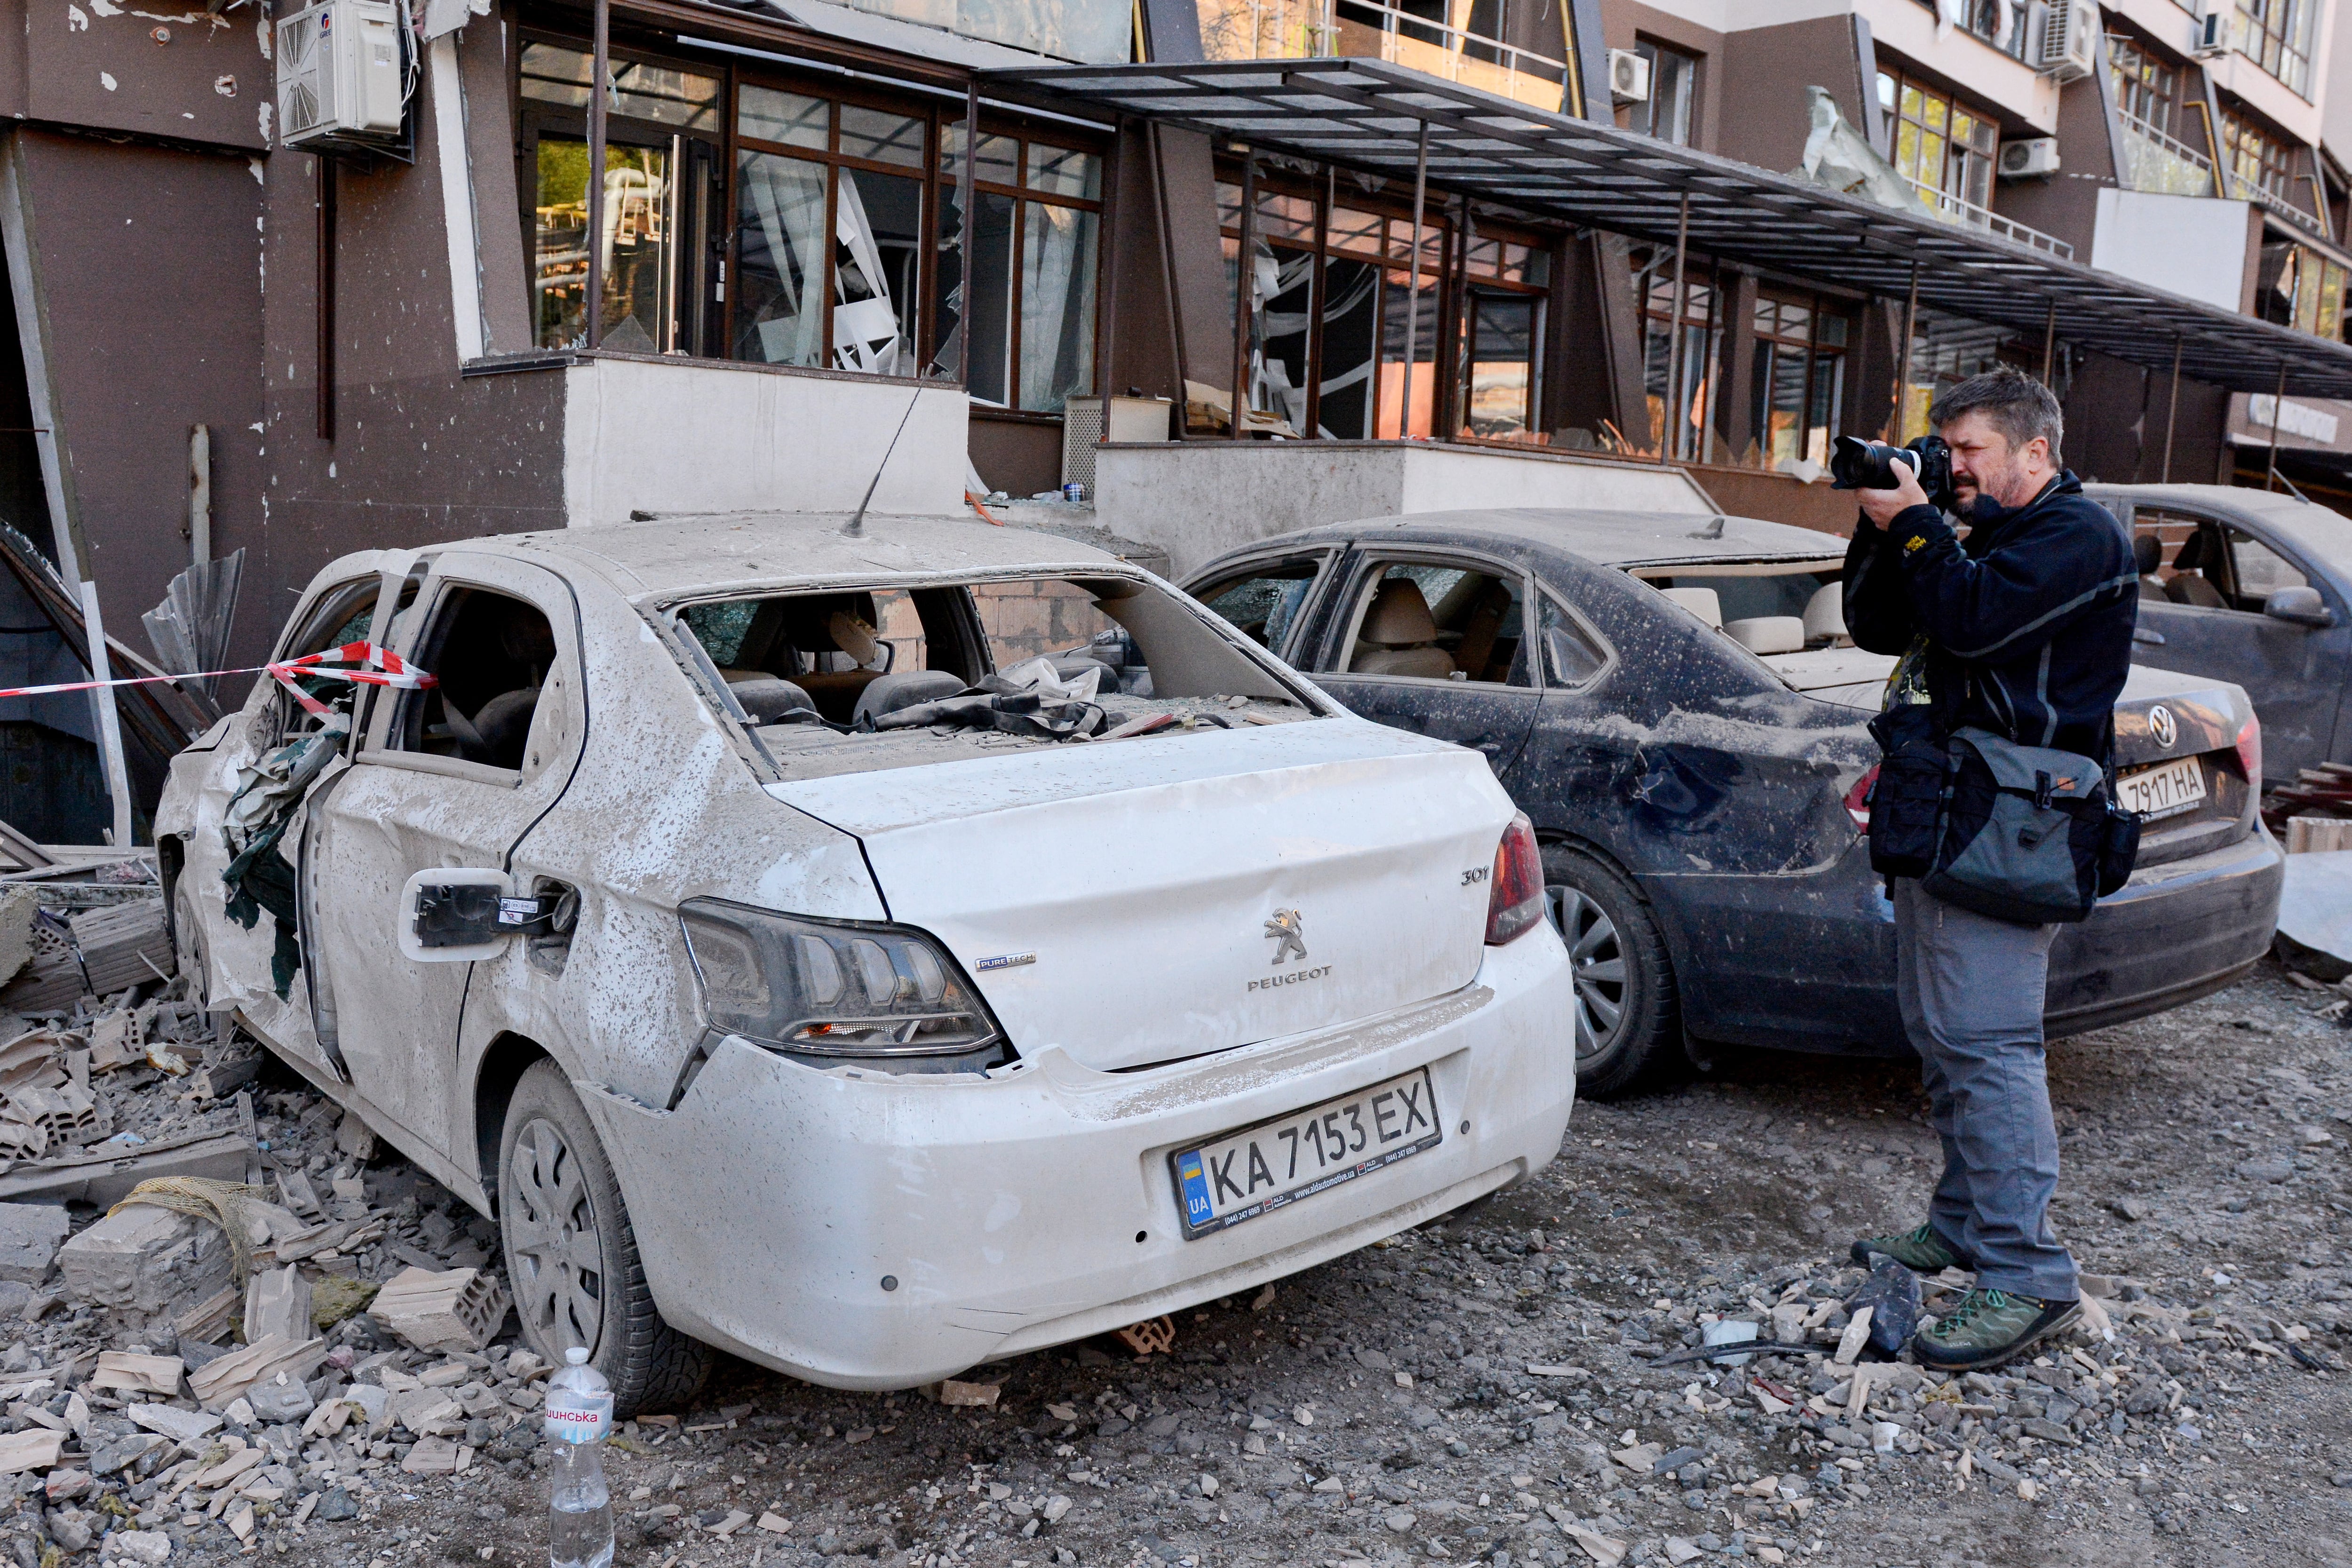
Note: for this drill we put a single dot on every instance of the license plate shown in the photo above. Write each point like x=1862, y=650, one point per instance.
x=1276, y=1163
x=2165, y=790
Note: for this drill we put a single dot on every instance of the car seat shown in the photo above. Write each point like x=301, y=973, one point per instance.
x=842, y=624
x=2189, y=585
x=2147, y=559
x=1400, y=637
x=1824, y=617
x=1480, y=633
x=765, y=699
x=903, y=689
x=502, y=725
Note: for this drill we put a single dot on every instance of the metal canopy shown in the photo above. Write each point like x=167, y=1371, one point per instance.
x=1369, y=115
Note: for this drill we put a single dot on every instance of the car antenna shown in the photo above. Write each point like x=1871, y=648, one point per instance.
x=856, y=527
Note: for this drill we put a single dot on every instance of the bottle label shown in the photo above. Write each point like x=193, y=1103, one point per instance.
x=577, y=1420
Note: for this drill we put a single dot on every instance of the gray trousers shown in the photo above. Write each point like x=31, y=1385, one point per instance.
x=1971, y=993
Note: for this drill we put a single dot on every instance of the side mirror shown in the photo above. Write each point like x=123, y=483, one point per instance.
x=2303, y=606
x=459, y=914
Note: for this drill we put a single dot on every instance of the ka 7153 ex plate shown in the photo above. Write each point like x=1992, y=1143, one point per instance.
x=1276, y=1163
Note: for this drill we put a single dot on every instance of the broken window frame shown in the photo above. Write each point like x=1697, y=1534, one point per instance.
x=564, y=679
x=1352, y=601
x=1303, y=218
x=667, y=619
x=699, y=184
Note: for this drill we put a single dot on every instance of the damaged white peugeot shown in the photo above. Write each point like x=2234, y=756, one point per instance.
x=872, y=949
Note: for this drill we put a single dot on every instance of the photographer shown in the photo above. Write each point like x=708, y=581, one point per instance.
x=2024, y=630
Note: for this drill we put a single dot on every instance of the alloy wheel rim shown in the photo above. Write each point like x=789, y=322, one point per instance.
x=1596, y=958
x=554, y=1256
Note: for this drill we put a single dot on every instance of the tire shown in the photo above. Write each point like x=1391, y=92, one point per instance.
x=571, y=1257
x=1628, y=1017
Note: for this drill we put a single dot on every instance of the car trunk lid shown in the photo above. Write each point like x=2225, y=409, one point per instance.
x=1123, y=901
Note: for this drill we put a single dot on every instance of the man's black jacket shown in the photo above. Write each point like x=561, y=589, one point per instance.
x=2029, y=622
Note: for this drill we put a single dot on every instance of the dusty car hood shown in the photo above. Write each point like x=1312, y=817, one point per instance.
x=1113, y=900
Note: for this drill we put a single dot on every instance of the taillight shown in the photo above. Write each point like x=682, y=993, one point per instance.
x=2249, y=755
x=1857, y=800
x=1516, y=898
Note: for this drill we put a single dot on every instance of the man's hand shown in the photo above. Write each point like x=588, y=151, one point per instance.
x=1881, y=505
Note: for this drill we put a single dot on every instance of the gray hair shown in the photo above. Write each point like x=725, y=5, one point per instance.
x=2012, y=402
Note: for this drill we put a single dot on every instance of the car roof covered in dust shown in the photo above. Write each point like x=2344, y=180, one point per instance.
x=662, y=557
x=1617, y=538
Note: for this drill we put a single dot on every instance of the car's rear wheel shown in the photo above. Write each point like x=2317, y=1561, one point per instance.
x=571, y=1257
x=1628, y=1022
x=188, y=944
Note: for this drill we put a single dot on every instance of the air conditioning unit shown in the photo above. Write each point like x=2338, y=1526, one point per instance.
x=2211, y=34
x=2068, y=48
x=2029, y=157
x=1628, y=76
x=340, y=75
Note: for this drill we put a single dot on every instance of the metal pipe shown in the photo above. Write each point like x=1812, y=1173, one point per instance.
x=1671, y=444
x=1412, y=285
x=324, y=278
x=600, y=70
x=1244, y=262
x=2278, y=407
x=1903, y=363
x=2173, y=409
x=1712, y=341
x=2050, y=339
x=109, y=722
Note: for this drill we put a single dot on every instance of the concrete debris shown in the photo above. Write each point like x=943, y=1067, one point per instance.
x=128, y=1372
x=2314, y=928
x=457, y=1310
x=277, y=1301
x=30, y=1235
x=219, y=1382
x=975, y=1396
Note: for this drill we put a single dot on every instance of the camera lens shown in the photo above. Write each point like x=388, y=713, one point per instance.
x=1859, y=465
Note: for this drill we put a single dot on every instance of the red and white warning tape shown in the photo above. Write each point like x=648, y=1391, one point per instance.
x=369, y=666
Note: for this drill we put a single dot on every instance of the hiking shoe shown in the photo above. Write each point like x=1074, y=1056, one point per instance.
x=1922, y=1251
x=1988, y=1328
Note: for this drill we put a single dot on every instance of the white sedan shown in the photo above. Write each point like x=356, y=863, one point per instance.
x=872, y=951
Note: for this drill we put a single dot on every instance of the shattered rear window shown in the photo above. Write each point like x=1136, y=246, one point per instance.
x=851, y=680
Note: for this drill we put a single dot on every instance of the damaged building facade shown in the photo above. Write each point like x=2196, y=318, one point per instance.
x=763, y=273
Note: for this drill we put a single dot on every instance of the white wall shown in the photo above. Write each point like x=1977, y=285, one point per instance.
x=647, y=436
x=2193, y=245
x=1197, y=500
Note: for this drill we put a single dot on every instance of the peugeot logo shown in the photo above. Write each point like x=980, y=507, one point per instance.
x=1289, y=935
x=2163, y=726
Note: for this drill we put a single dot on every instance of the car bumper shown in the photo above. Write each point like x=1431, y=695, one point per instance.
x=2177, y=931
x=1807, y=962
x=1036, y=1206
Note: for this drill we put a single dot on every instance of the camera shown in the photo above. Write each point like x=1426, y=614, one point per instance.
x=1859, y=465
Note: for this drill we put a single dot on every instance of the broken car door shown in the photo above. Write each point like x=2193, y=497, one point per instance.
x=2210, y=607
x=449, y=777
x=1435, y=643
x=235, y=907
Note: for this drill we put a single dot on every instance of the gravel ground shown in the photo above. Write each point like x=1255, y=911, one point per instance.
x=1381, y=1406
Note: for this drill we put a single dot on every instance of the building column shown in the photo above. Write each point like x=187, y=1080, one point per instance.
x=1735, y=401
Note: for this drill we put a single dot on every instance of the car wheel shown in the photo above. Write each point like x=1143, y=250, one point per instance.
x=571, y=1257
x=1627, y=1020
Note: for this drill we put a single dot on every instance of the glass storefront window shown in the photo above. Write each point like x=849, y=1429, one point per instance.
x=1502, y=365
x=1800, y=382
x=790, y=119
x=637, y=275
x=779, y=302
x=1057, y=305
x=552, y=73
x=1064, y=172
x=884, y=137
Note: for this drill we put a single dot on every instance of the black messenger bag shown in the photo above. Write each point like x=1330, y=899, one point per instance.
x=2025, y=833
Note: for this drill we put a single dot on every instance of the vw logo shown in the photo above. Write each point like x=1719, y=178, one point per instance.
x=2163, y=726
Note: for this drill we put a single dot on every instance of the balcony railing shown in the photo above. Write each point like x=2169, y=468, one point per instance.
x=1958, y=209
x=2242, y=189
x=2156, y=163
x=1374, y=29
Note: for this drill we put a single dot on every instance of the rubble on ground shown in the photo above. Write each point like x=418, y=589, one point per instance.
x=302, y=1348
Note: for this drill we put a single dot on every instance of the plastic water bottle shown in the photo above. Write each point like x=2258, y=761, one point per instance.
x=579, y=1419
